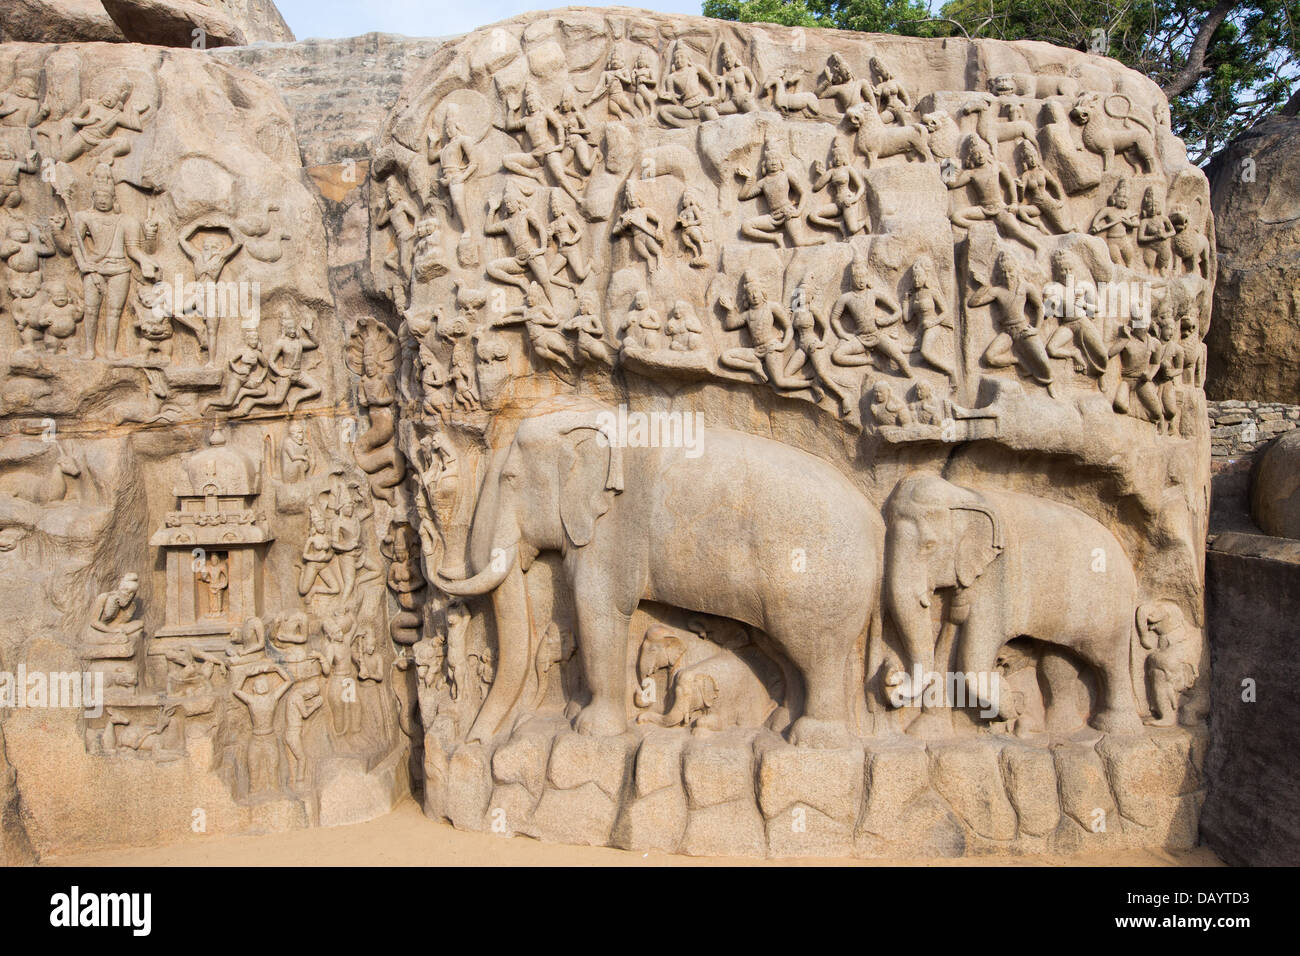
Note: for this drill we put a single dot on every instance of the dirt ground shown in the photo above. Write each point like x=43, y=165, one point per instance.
x=406, y=838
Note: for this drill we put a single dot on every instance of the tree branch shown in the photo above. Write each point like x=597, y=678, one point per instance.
x=1191, y=72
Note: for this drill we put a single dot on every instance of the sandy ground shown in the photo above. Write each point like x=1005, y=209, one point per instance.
x=406, y=838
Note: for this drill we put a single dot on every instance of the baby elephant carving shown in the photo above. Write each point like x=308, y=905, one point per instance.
x=720, y=691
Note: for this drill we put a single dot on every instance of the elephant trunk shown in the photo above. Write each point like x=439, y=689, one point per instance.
x=909, y=608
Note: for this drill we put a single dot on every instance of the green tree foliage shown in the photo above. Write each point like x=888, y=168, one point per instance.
x=1224, y=65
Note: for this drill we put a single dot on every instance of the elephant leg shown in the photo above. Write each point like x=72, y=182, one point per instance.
x=602, y=640
x=1118, y=711
x=977, y=654
x=824, y=722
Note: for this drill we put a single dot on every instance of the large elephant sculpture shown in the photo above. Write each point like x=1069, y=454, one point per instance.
x=1014, y=565
x=740, y=527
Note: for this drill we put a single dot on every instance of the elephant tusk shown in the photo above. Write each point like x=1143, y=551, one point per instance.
x=485, y=581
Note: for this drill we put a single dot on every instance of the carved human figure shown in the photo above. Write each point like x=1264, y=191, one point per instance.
x=613, y=85
x=317, y=558
x=643, y=327
x=20, y=105
x=340, y=675
x=296, y=455
x=812, y=349
x=737, y=88
x=1015, y=304
x=429, y=260
x=111, y=618
x=928, y=311
x=210, y=257
x=567, y=235
x=345, y=541
x=892, y=97
x=580, y=149
x=245, y=382
x=545, y=136
x=589, y=331
x=1139, y=362
x=837, y=82
x=541, y=326
x=25, y=307
x=887, y=408
x=688, y=91
x=11, y=168
x=105, y=243
x=690, y=220
x=846, y=189
x=869, y=310
x=1155, y=234
x=1040, y=200
x=770, y=332
x=928, y=408
x=784, y=194
x=683, y=327
x=642, y=227
x=285, y=361
x=1117, y=225
x=95, y=123
x=1076, y=336
x=1168, y=361
x=460, y=371
x=452, y=153
x=645, y=84
x=527, y=237
x=215, y=575
x=263, y=751
x=458, y=621
x=990, y=184
x=399, y=212
x=298, y=709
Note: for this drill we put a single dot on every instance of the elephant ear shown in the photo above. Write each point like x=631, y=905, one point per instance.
x=978, y=545
x=708, y=692
x=584, y=467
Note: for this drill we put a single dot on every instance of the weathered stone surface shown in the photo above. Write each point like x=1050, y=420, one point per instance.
x=840, y=265
x=1254, y=341
x=56, y=21
x=1275, y=489
x=198, y=23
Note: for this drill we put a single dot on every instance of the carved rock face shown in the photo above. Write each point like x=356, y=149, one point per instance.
x=864, y=372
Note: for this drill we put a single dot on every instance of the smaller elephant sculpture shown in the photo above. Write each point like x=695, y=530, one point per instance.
x=716, y=691
x=1012, y=565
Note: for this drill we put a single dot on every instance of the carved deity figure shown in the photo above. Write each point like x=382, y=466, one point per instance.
x=1017, y=340
x=770, y=332
x=1077, y=336
x=452, y=153
x=317, y=558
x=589, y=329
x=527, y=236
x=59, y=316
x=683, y=328
x=737, y=88
x=1117, y=225
x=1139, y=362
x=20, y=105
x=246, y=379
x=784, y=194
x=892, y=98
x=928, y=312
x=301, y=705
x=214, y=574
x=643, y=327
x=1155, y=234
x=837, y=82
x=812, y=349
x=870, y=311
x=105, y=243
x=541, y=326
x=95, y=123
x=642, y=227
x=613, y=85
x=24, y=247
x=545, y=136
x=688, y=91
x=567, y=235
x=340, y=675
x=846, y=189
x=990, y=184
x=690, y=220
x=887, y=408
x=1039, y=197
x=285, y=362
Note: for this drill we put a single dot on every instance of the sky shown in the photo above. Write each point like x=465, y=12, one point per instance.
x=430, y=18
